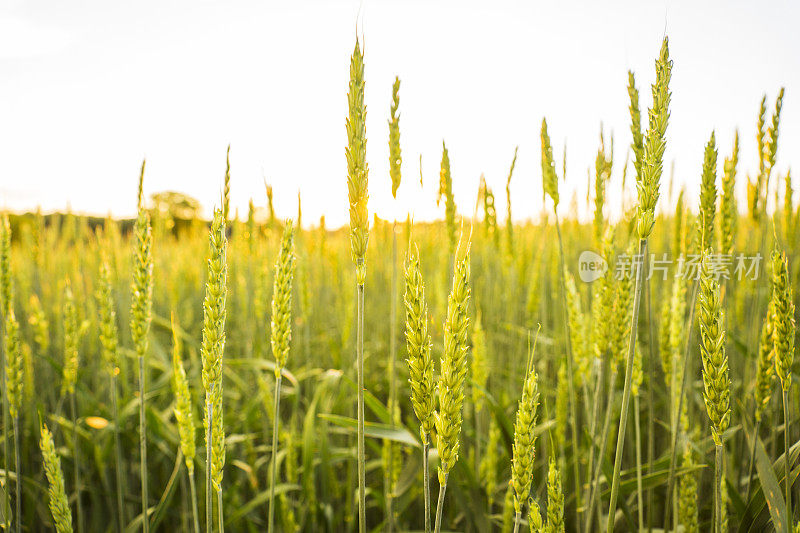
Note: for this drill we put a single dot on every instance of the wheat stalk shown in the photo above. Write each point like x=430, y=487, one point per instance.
x=550, y=188
x=357, y=181
x=647, y=185
x=420, y=363
x=70, y=378
x=212, y=349
x=280, y=339
x=391, y=451
x=109, y=339
x=716, y=383
x=453, y=374
x=141, y=306
x=783, y=335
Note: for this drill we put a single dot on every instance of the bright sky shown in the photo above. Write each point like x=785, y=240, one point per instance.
x=88, y=88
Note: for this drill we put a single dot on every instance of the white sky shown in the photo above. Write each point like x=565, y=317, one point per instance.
x=88, y=88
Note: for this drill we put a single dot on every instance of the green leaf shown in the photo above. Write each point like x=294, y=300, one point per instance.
x=374, y=430
x=260, y=499
x=770, y=487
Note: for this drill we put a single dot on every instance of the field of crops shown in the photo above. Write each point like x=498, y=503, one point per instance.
x=206, y=374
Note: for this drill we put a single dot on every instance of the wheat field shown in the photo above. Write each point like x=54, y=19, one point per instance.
x=170, y=373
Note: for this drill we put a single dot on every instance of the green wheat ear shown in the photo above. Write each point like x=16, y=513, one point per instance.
x=716, y=382
x=5, y=264
x=282, y=300
x=446, y=190
x=395, y=157
x=765, y=366
x=783, y=332
x=708, y=193
x=109, y=336
x=728, y=211
x=59, y=505
x=549, y=177
x=213, y=344
x=489, y=466
x=14, y=366
x=523, y=448
x=454, y=369
x=687, y=495
x=636, y=126
x=183, y=401
x=480, y=364
x=70, y=371
x=648, y=184
x=357, y=169
x=418, y=347
x=555, y=500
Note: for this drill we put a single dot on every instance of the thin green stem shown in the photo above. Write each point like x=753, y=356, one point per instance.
x=17, y=464
x=209, y=501
x=389, y=445
x=786, y=462
x=626, y=391
x=426, y=488
x=639, y=504
x=749, y=487
x=684, y=380
x=601, y=377
x=517, y=519
x=219, y=512
x=570, y=371
x=595, y=479
x=650, y=368
x=718, y=489
x=117, y=457
x=193, y=489
x=76, y=462
x=143, y=445
x=276, y=421
x=440, y=504
x=362, y=523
